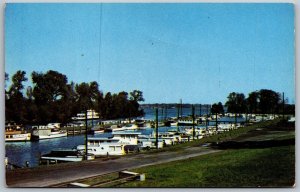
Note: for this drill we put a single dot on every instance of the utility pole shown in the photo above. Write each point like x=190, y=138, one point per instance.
x=156, y=127
x=86, y=139
x=193, y=116
x=178, y=111
x=166, y=112
x=207, y=110
x=216, y=121
x=180, y=107
x=200, y=110
x=283, y=103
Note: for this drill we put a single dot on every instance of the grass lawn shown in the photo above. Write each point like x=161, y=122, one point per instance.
x=268, y=167
x=258, y=166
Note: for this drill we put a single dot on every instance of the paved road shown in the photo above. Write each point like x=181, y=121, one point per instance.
x=56, y=174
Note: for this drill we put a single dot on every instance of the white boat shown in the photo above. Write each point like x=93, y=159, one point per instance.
x=127, y=137
x=170, y=138
x=184, y=122
x=47, y=132
x=173, y=124
x=64, y=155
x=103, y=147
x=292, y=119
x=119, y=144
x=16, y=133
x=148, y=143
x=91, y=114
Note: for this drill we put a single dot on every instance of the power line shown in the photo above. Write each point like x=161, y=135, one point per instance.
x=100, y=42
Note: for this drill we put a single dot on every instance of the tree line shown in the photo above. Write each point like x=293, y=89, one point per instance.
x=263, y=101
x=51, y=98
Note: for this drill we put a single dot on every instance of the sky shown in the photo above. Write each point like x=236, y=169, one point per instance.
x=196, y=52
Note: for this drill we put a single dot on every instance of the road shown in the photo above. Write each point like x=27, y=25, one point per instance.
x=55, y=174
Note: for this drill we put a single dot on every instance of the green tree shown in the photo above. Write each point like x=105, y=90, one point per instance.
x=236, y=103
x=87, y=95
x=252, y=102
x=15, y=102
x=269, y=101
x=50, y=93
x=217, y=108
x=137, y=96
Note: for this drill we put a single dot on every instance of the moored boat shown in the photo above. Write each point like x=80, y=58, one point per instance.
x=50, y=131
x=103, y=147
x=90, y=114
x=16, y=133
x=64, y=155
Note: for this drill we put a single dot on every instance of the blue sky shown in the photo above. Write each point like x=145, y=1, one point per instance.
x=197, y=52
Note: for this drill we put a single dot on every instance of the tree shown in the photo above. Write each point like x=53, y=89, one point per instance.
x=87, y=95
x=137, y=96
x=269, y=101
x=15, y=108
x=49, y=87
x=252, y=102
x=217, y=108
x=236, y=103
x=50, y=94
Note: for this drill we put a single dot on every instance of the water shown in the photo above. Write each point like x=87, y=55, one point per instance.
x=20, y=152
x=173, y=112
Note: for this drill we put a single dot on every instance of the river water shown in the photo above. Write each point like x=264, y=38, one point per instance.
x=20, y=152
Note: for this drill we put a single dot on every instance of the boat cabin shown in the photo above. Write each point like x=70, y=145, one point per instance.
x=126, y=137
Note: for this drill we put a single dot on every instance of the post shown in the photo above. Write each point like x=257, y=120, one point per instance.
x=180, y=107
x=235, y=120
x=178, y=111
x=156, y=128
x=207, y=110
x=93, y=118
x=200, y=110
x=206, y=123
x=246, y=117
x=193, y=116
x=166, y=112
x=86, y=139
x=216, y=122
x=283, y=103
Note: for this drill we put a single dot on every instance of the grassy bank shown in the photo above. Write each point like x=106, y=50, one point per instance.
x=260, y=155
x=268, y=167
x=232, y=134
x=244, y=167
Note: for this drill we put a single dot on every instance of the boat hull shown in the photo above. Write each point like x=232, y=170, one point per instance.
x=17, y=137
x=41, y=137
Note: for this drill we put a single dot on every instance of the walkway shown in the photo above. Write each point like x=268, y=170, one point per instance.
x=61, y=173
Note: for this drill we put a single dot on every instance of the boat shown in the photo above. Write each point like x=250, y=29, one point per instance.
x=64, y=155
x=140, y=122
x=96, y=130
x=119, y=144
x=150, y=142
x=103, y=146
x=186, y=122
x=91, y=114
x=50, y=131
x=16, y=133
